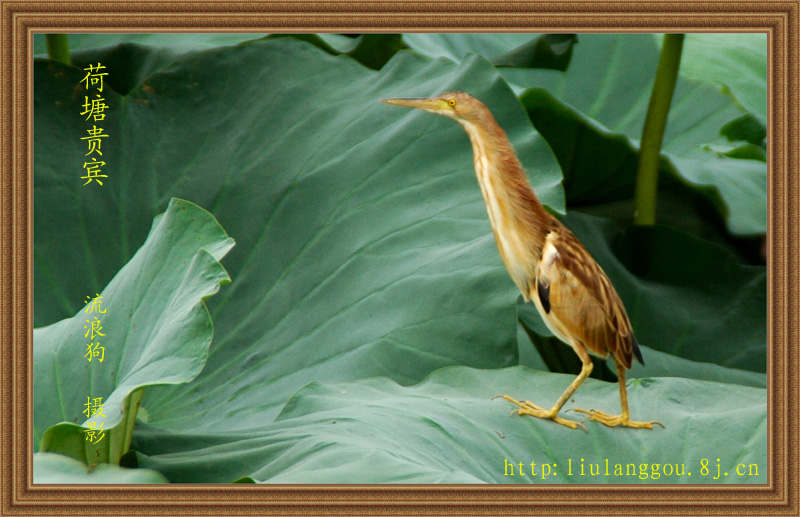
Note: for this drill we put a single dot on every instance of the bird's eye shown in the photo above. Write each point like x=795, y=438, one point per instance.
x=452, y=103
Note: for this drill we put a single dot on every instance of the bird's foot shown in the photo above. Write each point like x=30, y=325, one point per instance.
x=616, y=420
x=531, y=409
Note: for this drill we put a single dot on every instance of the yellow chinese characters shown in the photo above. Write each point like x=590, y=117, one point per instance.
x=94, y=77
x=94, y=350
x=94, y=407
x=95, y=304
x=94, y=328
x=94, y=108
x=95, y=134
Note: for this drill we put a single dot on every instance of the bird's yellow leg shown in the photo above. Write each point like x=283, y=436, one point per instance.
x=528, y=408
x=618, y=420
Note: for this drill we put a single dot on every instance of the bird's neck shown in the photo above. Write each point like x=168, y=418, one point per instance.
x=518, y=220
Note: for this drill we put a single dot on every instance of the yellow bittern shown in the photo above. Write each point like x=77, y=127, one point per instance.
x=547, y=262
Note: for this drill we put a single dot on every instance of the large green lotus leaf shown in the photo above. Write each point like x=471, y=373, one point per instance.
x=371, y=50
x=592, y=116
x=154, y=328
x=127, y=62
x=182, y=43
x=129, y=58
x=364, y=246
x=662, y=364
x=582, y=145
x=541, y=343
x=735, y=62
x=448, y=429
x=138, y=61
x=375, y=50
x=685, y=297
x=456, y=46
x=507, y=50
x=56, y=469
x=179, y=42
x=554, y=355
x=528, y=355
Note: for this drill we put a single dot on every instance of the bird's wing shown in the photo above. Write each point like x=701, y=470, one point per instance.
x=579, y=299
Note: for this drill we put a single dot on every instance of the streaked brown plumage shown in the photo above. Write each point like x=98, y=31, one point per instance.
x=547, y=262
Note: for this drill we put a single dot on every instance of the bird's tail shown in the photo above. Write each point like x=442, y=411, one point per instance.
x=636, y=351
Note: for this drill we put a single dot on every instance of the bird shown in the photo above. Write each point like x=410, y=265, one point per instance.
x=546, y=261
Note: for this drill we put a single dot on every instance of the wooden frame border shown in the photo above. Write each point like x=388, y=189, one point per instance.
x=21, y=18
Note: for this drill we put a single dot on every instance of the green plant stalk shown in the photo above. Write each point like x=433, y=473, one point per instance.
x=58, y=48
x=118, y=440
x=128, y=423
x=653, y=131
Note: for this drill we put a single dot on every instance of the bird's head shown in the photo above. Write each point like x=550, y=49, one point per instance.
x=459, y=106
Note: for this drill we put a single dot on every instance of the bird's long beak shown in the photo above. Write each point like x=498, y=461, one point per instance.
x=424, y=104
